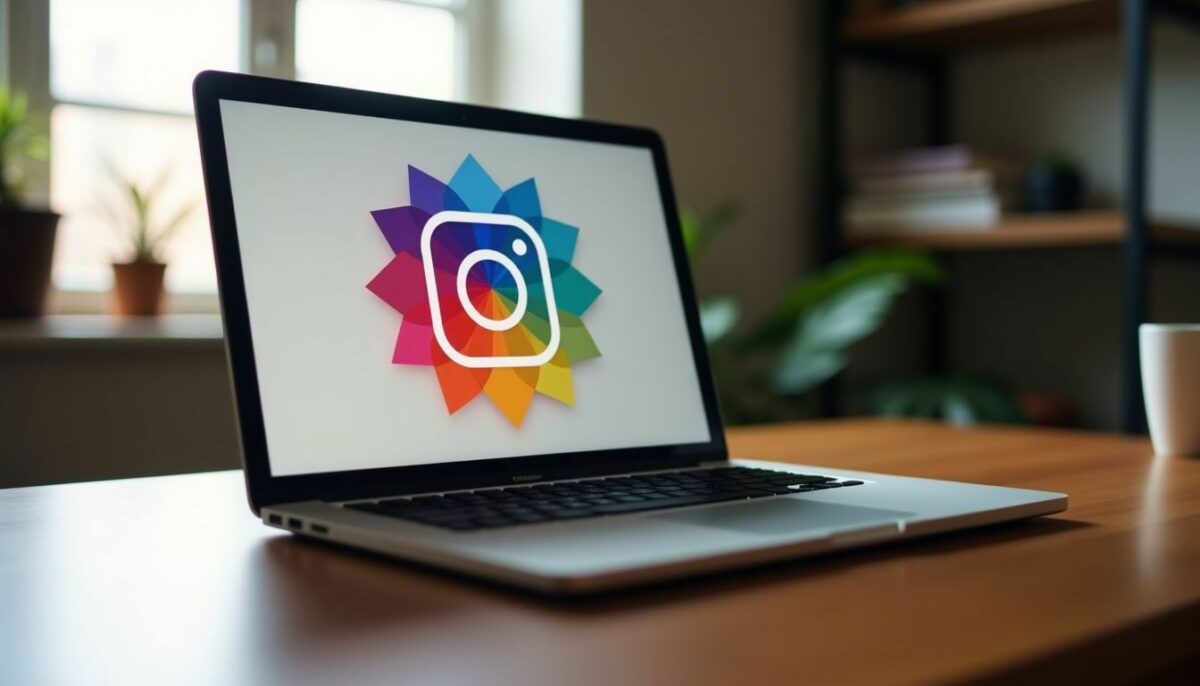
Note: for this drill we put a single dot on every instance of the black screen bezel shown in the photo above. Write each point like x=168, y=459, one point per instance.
x=209, y=88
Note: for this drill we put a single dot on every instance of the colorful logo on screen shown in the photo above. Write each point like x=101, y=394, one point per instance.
x=487, y=291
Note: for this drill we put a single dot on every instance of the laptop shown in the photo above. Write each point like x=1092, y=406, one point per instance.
x=468, y=338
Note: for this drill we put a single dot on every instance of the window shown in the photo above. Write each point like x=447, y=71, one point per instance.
x=120, y=84
x=378, y=45
x=117, y=53
x=116, y=84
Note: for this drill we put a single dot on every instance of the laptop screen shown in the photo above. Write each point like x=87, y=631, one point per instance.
x=421, y=293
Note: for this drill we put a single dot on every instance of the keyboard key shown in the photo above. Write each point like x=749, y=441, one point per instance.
x=571, y=514
x=530, y=518
x=851, y=483
x=494, y=520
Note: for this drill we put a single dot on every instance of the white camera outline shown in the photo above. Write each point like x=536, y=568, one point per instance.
x=435, y=308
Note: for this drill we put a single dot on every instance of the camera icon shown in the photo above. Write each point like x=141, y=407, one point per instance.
x=520, y=246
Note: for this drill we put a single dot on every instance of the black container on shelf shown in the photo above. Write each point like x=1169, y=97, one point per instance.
x=1053, y=185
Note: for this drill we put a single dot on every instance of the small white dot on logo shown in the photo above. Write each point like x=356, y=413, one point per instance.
x=519, y=246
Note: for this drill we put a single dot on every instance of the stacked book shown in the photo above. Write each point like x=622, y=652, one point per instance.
x=949, y=188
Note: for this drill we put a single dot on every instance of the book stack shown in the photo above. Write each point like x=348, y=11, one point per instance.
x=949, y=188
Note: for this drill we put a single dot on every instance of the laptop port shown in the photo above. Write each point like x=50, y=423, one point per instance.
x=296, y=524
x=275, y=519
x=318, y=528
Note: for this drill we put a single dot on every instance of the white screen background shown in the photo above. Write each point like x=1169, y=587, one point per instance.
x=304, y=183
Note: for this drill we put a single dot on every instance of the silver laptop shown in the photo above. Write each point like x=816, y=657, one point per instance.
x=468, y=338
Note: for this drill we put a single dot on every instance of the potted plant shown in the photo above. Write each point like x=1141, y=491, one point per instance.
x=26, y=233
x=1055, y=183
x=138, y=281
x=766, y=370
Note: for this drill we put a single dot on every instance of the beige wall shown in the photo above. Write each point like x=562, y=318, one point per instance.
x=729, y=85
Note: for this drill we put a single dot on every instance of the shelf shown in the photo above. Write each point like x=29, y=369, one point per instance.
x=948, y=25
x=1015, y=232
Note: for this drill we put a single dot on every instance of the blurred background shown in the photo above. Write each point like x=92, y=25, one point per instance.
x=951, y=209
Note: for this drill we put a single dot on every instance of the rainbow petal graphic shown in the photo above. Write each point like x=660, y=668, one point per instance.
x=478, y=293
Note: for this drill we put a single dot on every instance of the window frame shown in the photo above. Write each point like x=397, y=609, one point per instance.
x=267, y=47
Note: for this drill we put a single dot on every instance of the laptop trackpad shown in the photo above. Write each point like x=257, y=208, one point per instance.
x=784, y=516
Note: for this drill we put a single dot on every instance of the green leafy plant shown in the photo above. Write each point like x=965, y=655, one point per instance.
x=955, y=400
x=1060, y=161
x=137, y=210
x=765, y=369
x=21, y=142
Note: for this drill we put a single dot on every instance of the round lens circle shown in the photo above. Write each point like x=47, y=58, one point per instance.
x=522, y=292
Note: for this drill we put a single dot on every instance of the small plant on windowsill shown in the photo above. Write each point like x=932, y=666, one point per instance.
x=26, y=233
x=138, y=281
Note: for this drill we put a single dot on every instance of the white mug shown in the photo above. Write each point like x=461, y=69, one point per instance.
x=1171, y=386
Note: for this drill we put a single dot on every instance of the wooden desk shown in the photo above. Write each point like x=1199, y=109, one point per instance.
x=170, y=580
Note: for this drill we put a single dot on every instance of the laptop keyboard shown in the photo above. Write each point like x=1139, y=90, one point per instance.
x=564, y=500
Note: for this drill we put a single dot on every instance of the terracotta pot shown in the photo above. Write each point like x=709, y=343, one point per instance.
x=1047, y=409
x=26, y=253
x=138, y=288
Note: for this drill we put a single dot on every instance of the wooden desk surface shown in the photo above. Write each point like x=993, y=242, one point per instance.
x=170, y=580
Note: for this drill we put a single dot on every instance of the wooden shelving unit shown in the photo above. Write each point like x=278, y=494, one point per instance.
x=924, y=36
x=1027, y=231
x=947, y=26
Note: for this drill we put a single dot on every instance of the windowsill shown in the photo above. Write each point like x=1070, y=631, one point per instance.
x=73, y=331
x=99, y=302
